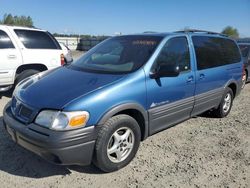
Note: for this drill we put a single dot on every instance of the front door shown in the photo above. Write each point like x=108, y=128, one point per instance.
x=171, y=99
x=10, y=59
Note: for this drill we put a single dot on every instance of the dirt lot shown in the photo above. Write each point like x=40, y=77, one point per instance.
x=201, y=152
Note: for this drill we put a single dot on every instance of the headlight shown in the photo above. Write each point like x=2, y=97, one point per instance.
x=58, y=120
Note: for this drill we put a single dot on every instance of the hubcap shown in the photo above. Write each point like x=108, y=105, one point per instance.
x=120, y=144
x=227, y=102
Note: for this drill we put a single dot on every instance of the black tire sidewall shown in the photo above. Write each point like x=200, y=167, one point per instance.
x=101, y=157
x=25, y=74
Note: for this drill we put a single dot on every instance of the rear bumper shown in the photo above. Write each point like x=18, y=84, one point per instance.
x=73, y=147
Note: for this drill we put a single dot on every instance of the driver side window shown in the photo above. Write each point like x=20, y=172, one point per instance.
x=175, y=53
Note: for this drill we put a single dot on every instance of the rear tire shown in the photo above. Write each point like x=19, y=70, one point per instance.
x=117, y=143
x=225, y=105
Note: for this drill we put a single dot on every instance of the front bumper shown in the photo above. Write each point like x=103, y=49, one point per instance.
x=74, y=147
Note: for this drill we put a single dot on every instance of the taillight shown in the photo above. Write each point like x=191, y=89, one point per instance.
x=62, y=59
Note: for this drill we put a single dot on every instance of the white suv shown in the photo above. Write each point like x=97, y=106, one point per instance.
x=24, y=52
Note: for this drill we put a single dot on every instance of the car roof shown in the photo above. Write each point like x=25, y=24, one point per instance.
x=21, y=27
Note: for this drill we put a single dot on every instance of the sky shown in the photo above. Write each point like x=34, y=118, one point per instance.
x=107, y=17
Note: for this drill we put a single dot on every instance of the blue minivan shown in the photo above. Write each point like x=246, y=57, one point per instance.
x=100, y=107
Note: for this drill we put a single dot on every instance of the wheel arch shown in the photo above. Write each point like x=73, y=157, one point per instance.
x=38, y=67
x=132, y=109
x=232, y=84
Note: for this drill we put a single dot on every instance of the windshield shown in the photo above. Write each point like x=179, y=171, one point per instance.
x=118, y=55
x=244, y=49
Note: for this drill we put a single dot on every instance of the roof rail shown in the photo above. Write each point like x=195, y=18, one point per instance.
x=199, y=31
x=9, y=25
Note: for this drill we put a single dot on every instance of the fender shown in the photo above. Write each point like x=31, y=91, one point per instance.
x=127, y=106
x=232, y=81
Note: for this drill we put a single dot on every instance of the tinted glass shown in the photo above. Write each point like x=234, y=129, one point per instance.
x=175, y=53
x=245, y=49
x=5, y=41
x=215, y=51
x=36, y=39
x=121, y=54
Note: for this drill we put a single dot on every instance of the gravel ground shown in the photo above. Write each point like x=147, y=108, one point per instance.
x=201, y=152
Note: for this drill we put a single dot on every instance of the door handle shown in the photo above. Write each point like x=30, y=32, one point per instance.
x=190, y=79
x=202, y=76
x=11, y=56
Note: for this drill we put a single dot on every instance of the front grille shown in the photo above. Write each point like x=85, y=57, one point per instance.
x=25, y=112
x=21, y=111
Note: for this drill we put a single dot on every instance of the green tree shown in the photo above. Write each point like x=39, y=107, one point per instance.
x=231, y=32
x=8, y=19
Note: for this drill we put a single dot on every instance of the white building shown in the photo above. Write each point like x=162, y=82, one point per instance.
x=71, y=42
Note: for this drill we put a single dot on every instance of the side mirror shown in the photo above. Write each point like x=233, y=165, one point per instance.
x=165, y=71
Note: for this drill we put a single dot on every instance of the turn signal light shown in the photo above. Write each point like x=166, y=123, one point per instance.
x=78, y=120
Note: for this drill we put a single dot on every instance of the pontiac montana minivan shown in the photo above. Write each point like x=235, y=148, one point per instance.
x=100, y=107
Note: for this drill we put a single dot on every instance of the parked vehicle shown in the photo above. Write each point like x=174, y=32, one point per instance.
x=120, y=92
x=24, y=52
x=67, y=53
x=86, y=44
x=245, y=51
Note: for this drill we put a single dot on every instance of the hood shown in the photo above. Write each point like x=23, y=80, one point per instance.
x=59, y=87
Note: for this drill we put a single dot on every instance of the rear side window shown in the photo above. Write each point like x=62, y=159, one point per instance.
x=175, y=52
x=36, y=39
x=214, y=51
x=5, y=41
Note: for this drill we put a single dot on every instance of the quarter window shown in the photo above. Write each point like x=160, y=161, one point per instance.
x=214, y=51
x=36, y=39
x=175, y=53
x=5, y=41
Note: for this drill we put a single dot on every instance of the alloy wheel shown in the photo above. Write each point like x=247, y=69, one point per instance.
x=120, y=144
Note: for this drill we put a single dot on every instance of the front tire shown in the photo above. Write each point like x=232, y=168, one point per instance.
x=117, y=143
